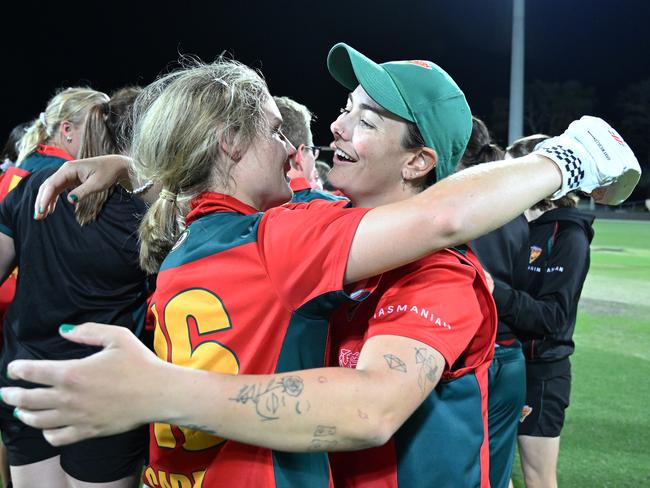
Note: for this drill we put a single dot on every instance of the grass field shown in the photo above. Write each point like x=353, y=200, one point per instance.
x=606, y=437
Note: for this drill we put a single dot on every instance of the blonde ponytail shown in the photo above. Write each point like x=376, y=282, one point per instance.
x=34, y=135
x=159, y=229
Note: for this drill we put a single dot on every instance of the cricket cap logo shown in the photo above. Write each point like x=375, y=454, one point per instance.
x=418, y=62
x=535, y=251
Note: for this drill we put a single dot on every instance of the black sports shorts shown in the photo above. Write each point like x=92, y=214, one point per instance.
x=548, y=387
x=98, y=460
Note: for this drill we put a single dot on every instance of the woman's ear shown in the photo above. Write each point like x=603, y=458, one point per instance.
x=230, y=150
x=424, y=161
x=65, y=127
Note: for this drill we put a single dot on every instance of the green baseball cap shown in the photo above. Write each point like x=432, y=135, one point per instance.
x=418, y=91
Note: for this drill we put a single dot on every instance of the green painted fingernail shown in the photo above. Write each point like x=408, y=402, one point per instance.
x=35, y=214
x=65, y=328
x=74, y=197
x=15, y=412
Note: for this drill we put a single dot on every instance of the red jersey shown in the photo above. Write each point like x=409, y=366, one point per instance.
x=443, y=301
x=299, y=184
x=251, y=293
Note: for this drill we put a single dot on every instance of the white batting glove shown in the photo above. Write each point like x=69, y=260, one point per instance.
x=594, y=158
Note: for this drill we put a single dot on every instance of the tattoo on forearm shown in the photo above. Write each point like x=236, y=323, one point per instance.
x=427, y=368
x=320, y=441
x=322, y=445
x=362, y=415
x=324, y=430
x=395, y=363
x=302, y=407
x=269, y=399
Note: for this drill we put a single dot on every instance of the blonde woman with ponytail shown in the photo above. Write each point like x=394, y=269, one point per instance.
x=71, y=272
x=53, y=138
x=56, y=135
x=237, y=295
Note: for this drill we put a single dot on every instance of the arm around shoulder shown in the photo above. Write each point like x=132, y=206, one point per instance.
x=456, y=210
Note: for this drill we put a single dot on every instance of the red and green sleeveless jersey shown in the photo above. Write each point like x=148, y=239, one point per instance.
x=245, y=292
x=443, y=301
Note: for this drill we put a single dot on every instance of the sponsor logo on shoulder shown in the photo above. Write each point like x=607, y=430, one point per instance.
x=535, y=252
x=181, y=239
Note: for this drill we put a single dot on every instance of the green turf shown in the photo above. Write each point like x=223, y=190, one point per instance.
x=606, y=437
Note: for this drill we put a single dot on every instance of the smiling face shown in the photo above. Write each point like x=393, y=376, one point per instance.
x=369, y=155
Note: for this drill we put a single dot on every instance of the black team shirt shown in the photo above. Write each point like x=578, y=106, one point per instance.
x=68, y=273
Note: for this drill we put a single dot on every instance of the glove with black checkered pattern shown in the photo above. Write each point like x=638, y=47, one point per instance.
x=594, y=158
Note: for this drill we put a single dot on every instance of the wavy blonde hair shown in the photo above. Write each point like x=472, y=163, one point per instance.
x=71, y=104
x=179, y=122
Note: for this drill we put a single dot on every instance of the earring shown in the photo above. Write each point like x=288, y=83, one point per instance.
x=68, y=139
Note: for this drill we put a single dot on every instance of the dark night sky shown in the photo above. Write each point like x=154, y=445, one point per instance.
x=602, y=43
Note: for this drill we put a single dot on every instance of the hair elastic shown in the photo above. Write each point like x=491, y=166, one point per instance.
x=168, y=195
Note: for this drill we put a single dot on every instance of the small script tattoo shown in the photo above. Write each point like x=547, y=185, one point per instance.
x=324, y=430
x=395, y=363
x=322, y=445
x=427, y=368
x=271, y=397
x=320, y=442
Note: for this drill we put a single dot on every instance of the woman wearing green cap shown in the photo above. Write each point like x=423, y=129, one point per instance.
x=325, y=409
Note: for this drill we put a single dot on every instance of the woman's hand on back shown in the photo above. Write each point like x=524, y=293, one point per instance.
x=83, y=177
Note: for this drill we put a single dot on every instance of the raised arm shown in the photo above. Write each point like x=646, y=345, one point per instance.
x=590, y=155
x=454, y=211
x=314, y=410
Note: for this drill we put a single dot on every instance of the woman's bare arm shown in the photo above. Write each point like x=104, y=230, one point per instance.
x=321, y=409
x=454, y=211
x=590, y=155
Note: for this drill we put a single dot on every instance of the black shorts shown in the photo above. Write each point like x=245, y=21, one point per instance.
x=98, y=460
x=548, y=387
